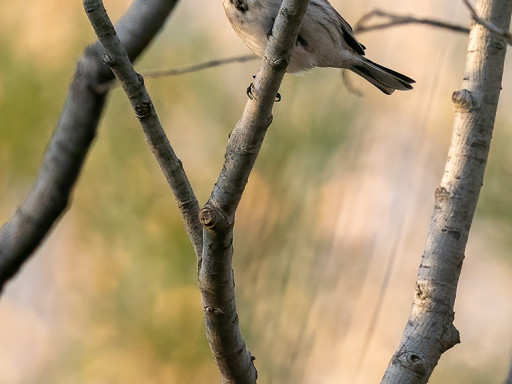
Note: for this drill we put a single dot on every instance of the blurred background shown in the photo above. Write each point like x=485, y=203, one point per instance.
x=329, y=233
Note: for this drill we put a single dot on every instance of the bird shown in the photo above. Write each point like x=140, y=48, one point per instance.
x=325, y=40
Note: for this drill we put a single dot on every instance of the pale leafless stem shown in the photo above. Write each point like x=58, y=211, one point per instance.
x=430, y=330
x=133, y=85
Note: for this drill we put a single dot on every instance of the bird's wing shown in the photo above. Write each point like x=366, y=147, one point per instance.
x=348, y=35
x=344, y=28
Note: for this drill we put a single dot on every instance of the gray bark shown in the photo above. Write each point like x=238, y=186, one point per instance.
x=133, y=85
x=216, y=279
x=430, y=330
x=215, y=273
x=72, y=138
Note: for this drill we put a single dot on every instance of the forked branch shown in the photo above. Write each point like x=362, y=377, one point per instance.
x=133, y=85
x=215, y=266
x=72, y=139
x=215, y=276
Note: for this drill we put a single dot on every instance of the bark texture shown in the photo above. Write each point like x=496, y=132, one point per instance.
x=72, y=138
x=430, y=330
x=216, y=279
x=133, y=85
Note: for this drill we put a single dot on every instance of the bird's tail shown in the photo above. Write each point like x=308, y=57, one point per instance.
x=383, y=78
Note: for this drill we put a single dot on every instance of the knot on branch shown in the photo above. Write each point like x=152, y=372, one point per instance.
x=499, y=45
x=464, y=101
x=285, y=12
x=414, y=362
x=280, y=64
x=442, y=194
x=213, y=311
x=425, y=297
x=452, y=231
x=449, y=338
x=109, y=61
x=140, y=79
x=212, y=218
x=143, y=109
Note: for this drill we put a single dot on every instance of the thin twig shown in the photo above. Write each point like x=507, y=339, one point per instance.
x=490, y=26
x=197, y=67
x=367, y=24
x=133, y=85
x=363, y=25
x=360, y=27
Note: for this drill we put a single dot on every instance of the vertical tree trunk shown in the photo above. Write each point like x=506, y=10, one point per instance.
x=430, y=330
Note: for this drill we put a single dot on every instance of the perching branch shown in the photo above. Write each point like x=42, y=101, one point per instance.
x=133, y=85
x=430, y=330
x=215, y=273
x=216, y=279
x=71, y=141
x=363, y=25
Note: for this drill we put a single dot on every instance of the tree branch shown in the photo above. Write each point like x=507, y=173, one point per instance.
x=430, y=330
x=133, y=85
x=490, y=26
x=71, y=141
x=197, y=67
x=363, y=25
x=216, y=279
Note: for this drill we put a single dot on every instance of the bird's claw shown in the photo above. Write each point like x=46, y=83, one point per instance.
x=249, y=91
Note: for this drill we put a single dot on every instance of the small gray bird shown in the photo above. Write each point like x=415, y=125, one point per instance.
x=325, y=40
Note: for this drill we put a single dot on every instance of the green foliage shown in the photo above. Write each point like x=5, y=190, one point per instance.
x=29, y=101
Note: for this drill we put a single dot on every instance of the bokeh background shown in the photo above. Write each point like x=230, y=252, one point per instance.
x=329, y=234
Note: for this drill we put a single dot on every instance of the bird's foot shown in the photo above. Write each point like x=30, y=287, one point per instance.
x=250, y=88
x=250, y=93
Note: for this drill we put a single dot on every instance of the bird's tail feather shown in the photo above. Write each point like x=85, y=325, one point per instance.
x=383, y=78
